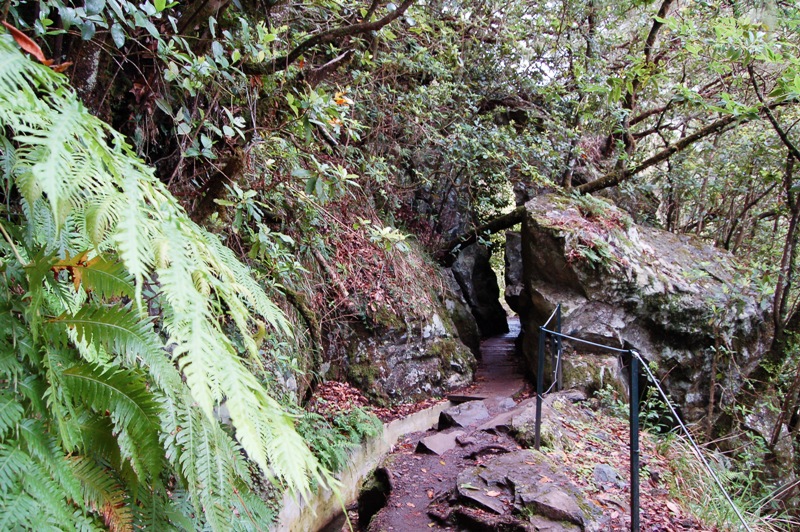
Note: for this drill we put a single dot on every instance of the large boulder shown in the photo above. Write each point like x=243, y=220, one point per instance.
x=398, y=362
x=683, y=304
x=473, y=272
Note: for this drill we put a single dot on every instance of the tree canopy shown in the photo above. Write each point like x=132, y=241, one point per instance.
x=182, y=182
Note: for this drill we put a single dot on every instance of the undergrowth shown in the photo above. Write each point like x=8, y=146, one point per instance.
x=690, y=482
x=696, y=489
x=331, y=438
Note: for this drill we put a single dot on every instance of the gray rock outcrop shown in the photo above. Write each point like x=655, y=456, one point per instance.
x=396, y=362
x=478, y=283
x=514, y=276
x=677, y=301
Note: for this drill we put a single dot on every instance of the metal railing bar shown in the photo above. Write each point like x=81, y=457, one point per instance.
x=694, y=446
x=587, y=342
x=553, y=315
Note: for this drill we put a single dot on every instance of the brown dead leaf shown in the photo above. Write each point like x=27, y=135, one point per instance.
x=492, y=493
x=430, y=494
x=62, y=67
x=410, y=505
x=27, y=44
x=674, y=508
x=545, y=480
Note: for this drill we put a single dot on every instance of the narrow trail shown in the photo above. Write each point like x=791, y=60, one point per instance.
x=424, y=466
x=498, y=373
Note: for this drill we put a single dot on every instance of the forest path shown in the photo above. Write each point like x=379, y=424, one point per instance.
x=420, y=478
x=499, y=373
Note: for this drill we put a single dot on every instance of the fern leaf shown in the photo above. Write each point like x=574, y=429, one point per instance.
x=13, y=461
x=133, y=410
x=103, y=493
x=104, y=277
x=153, y=509
x=18, y=510
x=46, y=452
x=51, y=500
x=121, y=330
x=10, y=412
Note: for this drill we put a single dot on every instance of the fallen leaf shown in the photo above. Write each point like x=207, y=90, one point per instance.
x=545, y=480
x=430, y=494
x=431, y=525
x=410, y=505
x=442, y=462
x=27, y=44
x=674, y=508
x=424, y=470
x=62, y=67
x=492, y=493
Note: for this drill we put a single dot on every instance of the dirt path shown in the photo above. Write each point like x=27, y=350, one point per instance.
x=420, y=480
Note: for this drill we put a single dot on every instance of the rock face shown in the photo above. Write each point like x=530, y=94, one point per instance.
x=461, y=314
x=397, y=362
x=514, y=277
x=672, y=298
x=478, y=283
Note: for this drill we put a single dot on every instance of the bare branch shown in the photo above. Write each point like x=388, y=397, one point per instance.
x=618, y=176
x=771, y=117
x=282, y=63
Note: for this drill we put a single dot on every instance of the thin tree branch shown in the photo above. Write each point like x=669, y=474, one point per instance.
x=282, y=63
x=771, y=117
x=446, y=253
x=618, y=176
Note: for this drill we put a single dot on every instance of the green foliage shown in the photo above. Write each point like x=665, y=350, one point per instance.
x=692, y=484
x=653, y=413
x=100, y=411
x=331, y=438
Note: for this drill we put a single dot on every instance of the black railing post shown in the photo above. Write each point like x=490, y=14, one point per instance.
x=560, y=372
x=539, y=390
x=634, y=420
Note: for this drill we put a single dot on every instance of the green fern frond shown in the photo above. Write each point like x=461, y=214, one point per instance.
x=106, y=278
x=33, y=389
x=50, y=498
x=235, y=274
x=18, y=510
x=71, y=180
x=13, y=462
x=10, y=412
x=207, y=458
x=45, y=451
x=261, y=423
x=101, y=215
x=98, y=440
x=153, y=509
x=103, y=492
x=121, y=330
x=133, y=410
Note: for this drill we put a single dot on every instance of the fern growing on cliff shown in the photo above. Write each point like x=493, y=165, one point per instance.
x=107, y=415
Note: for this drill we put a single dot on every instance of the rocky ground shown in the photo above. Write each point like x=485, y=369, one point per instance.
x=476, y=470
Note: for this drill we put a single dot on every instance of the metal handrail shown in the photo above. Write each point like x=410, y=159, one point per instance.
x=557, y=336
x=635, y=360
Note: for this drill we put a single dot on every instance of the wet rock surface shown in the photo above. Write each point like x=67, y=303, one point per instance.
x=463, y=415
x=478, y=283
x=668, y=296
x=397, y=362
